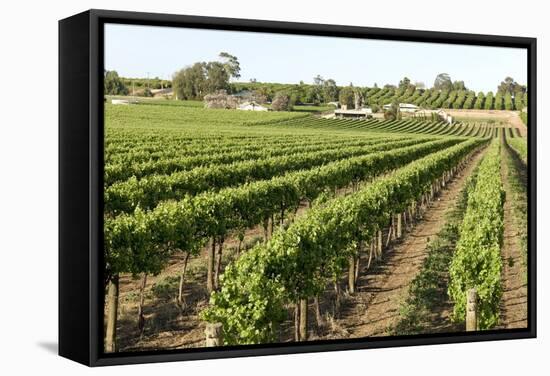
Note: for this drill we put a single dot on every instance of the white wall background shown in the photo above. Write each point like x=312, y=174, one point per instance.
x=28, y=185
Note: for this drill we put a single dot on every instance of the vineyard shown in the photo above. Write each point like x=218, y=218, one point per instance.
x=431, y=98
x=286, y=226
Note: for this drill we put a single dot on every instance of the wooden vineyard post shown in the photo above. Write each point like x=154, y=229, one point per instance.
x=303, y=319
x=214, y=334
x=210, y=266
x=112, y=311
x=471, y=310
x=297, y=321
x=336, y=312
x=379, y=245
x=141, y=317
x=318, y=316
x=391, y=232
x=218, y=264
x=351, y=275
x=399, y=230
x=372, y=250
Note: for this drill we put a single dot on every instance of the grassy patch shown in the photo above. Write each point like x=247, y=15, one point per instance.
x=516, y=180
x=165, y=288
x=524, y=118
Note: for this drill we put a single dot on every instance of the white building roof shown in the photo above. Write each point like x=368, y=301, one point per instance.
x=402, y=105
x=361, y=111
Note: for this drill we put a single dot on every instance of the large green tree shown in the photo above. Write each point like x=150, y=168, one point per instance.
x=189, y=83
x=404, y=83
x=316, y=91
x=347, y=97
x=113, y=84
x=330, y=91
x=231, y=64
x=202, y=78
x=509, y=85
x=216, y=77
x=443, y=82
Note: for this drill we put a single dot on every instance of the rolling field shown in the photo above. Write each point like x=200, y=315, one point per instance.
x=284, y=226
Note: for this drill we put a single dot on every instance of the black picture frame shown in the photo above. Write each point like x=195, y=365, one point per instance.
x=81, y=193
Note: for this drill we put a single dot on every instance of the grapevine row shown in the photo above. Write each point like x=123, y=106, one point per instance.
x=123, y=171
x=519, y=145
x=298, y=262
x=477, y=260
x=142, y=242
x=396, y=126
x=190, y=146
x=127, y=195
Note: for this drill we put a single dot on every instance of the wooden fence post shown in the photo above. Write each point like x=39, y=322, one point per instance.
x=214, y=334
x=471, y=310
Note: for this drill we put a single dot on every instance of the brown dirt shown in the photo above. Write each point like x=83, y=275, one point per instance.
x=374, y=309
x=514, y=298
x=511, y=117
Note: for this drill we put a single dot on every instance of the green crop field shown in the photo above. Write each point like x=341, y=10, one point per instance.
x=246, y=218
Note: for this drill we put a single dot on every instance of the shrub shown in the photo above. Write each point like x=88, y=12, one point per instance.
x=281, y=102
x=480, y=101
x=220, y=99
x=489, y=101
x=508, y=104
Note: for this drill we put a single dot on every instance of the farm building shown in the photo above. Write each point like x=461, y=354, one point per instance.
x=360, y=113
x=445, y=116
x=404, y=107
x=251, y=106
x=441, y=114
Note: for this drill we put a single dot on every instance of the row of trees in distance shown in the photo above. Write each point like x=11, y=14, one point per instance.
x=117, y=85
x=196, y=81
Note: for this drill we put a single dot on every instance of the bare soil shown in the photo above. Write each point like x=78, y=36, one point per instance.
x=512, y=117
x=374, y=309
x=514, y=298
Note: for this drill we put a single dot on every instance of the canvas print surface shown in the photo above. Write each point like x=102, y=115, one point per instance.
x=269, y=188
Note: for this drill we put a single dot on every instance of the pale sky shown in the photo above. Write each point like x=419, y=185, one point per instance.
x=141, y=51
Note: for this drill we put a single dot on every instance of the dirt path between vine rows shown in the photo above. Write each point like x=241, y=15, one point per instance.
x=513, y=308
x=374, y=309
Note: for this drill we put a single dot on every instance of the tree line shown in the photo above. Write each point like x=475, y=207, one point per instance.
x=200, y=79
